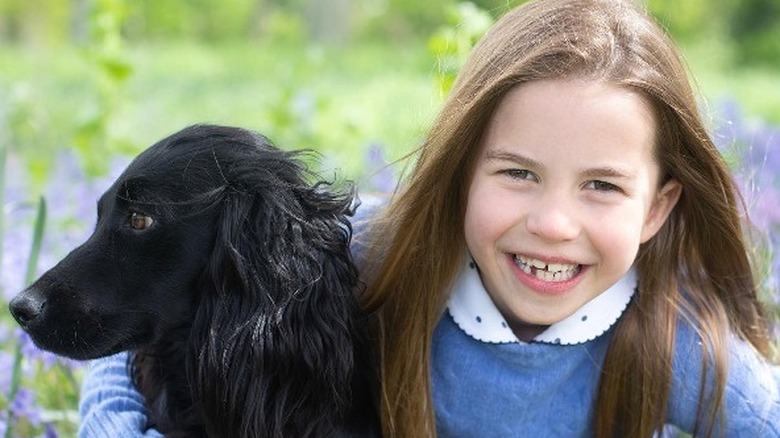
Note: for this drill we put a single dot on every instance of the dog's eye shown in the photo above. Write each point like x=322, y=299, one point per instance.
x=140, y=221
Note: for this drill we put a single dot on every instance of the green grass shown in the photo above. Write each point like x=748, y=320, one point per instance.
x=756, y=88
x=336, y=100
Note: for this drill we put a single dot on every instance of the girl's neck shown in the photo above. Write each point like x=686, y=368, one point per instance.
x=526, y=332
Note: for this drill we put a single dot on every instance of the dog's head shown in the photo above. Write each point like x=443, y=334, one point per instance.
x=172, y=226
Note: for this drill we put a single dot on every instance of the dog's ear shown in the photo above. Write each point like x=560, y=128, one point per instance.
x=274, y=331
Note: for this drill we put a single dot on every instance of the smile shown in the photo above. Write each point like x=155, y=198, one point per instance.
x=550, y=272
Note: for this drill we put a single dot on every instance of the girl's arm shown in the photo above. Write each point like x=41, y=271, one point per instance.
x=751, y=403
x=109, y=404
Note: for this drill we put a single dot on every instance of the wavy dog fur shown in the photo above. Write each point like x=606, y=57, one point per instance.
x=228, y=273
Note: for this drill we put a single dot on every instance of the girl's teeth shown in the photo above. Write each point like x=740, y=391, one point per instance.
x=558, y=268
x=547, y=272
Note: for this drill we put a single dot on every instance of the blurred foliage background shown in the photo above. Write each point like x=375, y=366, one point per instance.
x=87, y=84
x=112, y=76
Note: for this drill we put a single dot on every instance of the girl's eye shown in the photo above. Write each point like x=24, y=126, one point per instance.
x=603, y=186
x=140, y=221
x=522, y=174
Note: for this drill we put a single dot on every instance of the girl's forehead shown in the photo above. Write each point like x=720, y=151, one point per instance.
x=573, y=105
x=573, y=121
x=576, y=91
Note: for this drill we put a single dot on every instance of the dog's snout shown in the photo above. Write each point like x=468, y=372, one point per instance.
x=27, y=306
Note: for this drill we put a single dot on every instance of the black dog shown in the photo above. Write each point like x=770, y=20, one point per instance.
x=228, y=273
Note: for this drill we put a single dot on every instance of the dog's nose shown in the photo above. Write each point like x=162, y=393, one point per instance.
x=27, y=306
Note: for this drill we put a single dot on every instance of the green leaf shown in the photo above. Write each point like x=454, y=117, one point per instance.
x=35, y=250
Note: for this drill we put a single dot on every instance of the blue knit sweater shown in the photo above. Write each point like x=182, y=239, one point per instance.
x=547, y=390
x=506, y=390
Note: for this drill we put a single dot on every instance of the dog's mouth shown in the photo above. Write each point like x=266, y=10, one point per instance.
x=66, y=330
x=76, y=339
x=82, y=341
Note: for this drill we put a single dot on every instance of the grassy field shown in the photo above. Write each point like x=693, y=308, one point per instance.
x=720, y=77
x=338, y=101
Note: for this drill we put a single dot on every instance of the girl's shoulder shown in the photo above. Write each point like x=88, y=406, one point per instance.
x=366, y=209
x=751, y=398
x=367, y=205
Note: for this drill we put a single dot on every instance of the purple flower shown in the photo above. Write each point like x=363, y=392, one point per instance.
x=49, y=431
x=6, y=370
x=381, y=177
x=47, y=359
x=762, y=154
x=730, y=125
x=756, y=148
x=23, y=406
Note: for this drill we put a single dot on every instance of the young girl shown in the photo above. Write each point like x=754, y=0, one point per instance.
x=566, y=257
x=605, y=288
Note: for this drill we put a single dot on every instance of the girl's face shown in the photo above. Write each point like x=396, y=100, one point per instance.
x=564, y=191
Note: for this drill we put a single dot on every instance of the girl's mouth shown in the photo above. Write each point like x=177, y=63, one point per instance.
x=548, y=272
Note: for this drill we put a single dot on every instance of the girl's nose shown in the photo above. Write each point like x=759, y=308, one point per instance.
x=553, y=219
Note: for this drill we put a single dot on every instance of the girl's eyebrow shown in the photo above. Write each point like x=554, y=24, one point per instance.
x=591, y=172
x=608, y=172
x=502, y=155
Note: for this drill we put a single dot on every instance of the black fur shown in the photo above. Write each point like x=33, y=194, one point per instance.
x=238, y=301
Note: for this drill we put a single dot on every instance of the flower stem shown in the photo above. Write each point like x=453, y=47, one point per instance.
x=32, y=264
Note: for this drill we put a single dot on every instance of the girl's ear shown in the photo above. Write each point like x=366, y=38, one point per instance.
x=665, y=200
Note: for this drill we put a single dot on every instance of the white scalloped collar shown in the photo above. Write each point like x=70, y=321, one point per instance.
x=475, y=313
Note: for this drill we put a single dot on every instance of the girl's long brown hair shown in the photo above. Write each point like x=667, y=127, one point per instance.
x=696, y=266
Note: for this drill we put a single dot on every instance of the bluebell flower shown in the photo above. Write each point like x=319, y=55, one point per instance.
x=23, y=406
x=381, y=177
